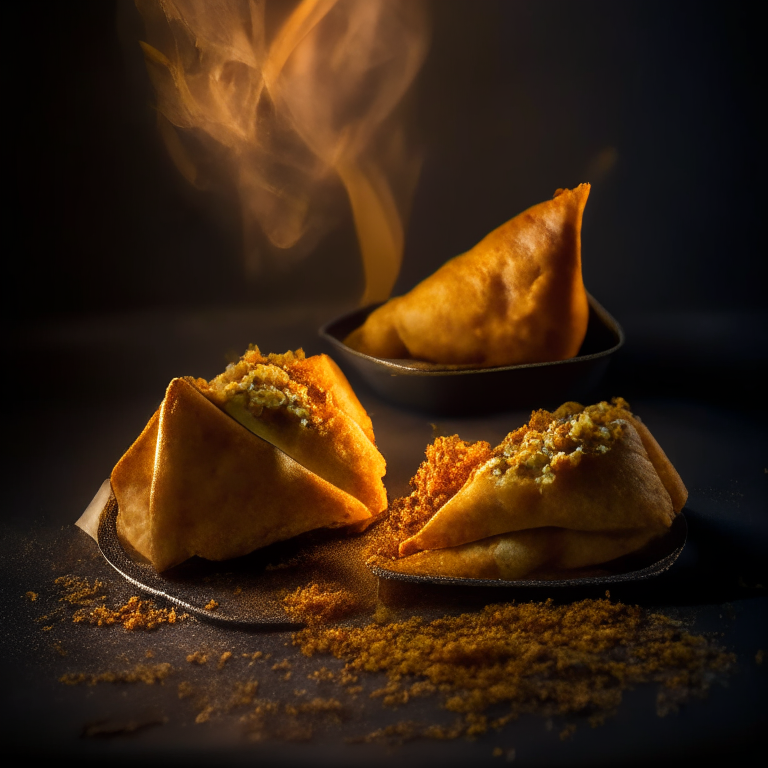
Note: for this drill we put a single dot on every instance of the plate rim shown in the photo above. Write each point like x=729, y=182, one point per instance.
x=113, y=552
x=401, y=366
x=641, y=574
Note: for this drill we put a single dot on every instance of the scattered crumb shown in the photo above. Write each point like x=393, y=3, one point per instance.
x=567, y=732
x=316, y=605
x=285, y=667
x=133, y=615
x=211, y=605
x=224, y=658
x=198, y=657
x=243, y=694
x=31, y=596
x=78, y=591
x=141, y=673
x=322, y=675
x=538, y=658
x=204, y=716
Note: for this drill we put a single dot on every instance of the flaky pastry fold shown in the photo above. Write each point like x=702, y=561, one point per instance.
x=574, y=488
x=199, y=482
x=516, y=297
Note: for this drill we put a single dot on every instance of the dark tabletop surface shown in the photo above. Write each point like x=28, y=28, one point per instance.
x=694, y=379
x=655, y=103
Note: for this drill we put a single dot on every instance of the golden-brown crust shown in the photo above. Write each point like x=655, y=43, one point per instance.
x=217, y=490
x=572, y=488
x=305, y=407
x=131, y=481
x=663, y=466
x=517, y=297
x=322, y=372
x=521, y=554
x=617, y=490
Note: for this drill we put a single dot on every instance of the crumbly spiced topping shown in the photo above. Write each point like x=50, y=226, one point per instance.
x=549, y=443
x=559, y=440
x=314, y=604
x=267, y=384
x=450, y=462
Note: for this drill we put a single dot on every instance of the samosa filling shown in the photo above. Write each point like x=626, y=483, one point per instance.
x=262, y=383
x=551, y=442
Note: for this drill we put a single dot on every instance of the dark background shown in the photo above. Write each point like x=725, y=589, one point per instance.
x=655, y=103
x=122, y=276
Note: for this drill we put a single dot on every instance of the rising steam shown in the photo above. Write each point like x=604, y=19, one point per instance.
x=283, y=116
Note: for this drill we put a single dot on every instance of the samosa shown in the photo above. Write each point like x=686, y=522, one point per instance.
x=299, y=454
x=517, y=297
x=571, y=489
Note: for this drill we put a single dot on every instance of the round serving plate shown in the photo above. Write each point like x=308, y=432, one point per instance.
x=651, y=561
x=242, y=592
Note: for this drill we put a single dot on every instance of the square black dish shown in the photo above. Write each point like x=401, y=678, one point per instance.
x=478, y=391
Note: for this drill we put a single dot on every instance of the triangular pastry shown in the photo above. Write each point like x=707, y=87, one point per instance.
x=573, y=488
x=196, y=482
x=517, y=297
x=306, y=407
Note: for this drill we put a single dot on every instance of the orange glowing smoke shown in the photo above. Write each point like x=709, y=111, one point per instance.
x=284, y=115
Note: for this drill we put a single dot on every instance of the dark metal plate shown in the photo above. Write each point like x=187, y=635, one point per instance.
x=195, y=583
x=651, y=561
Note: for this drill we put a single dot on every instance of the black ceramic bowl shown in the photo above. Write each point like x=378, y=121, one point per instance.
x=477, y=391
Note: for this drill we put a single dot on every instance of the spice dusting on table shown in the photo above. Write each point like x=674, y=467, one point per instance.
x=319, y=605
x=141, y=673
x=135, y=613
x=527, y=658
x=482, y=669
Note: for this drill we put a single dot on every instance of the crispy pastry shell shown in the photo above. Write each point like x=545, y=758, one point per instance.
x=620, y=490
x=517, y=555
x=344, y=453
x=517, y=297
x=196, y=483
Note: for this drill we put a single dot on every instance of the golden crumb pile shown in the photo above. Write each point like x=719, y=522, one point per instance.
x=318, y=605
x=550, y=442
x=135, y=614
x=132, y=615
x=509, y=659
x=273, y=382
x=79, y=591
x=449, y=463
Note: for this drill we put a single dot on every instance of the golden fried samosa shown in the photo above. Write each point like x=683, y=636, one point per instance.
x=573, y=488
x=517, y=297
x=196, y=482
x=517, y=555
x=306, y=407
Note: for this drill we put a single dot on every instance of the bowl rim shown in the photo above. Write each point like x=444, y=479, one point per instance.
x=398, y=366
